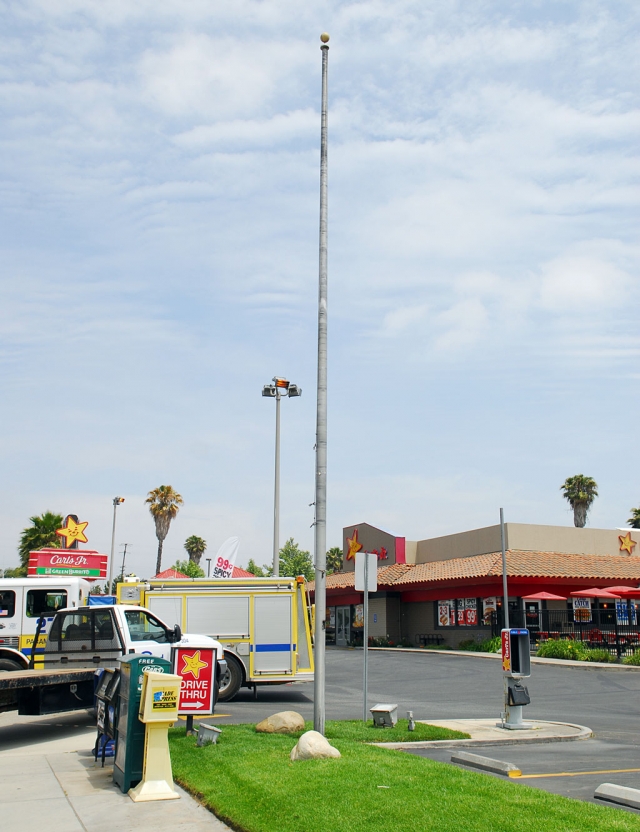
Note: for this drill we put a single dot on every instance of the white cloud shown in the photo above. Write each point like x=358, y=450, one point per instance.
x=159, y=241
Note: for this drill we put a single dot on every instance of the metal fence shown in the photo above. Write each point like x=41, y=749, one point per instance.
x=614, y=630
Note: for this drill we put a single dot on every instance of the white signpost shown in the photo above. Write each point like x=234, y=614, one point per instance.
x=366, y=579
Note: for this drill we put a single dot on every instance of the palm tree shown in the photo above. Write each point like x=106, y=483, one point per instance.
x=41, y=533
x=196, y=548
x=334, y=560
x=634, y=520
x=164, y=503
x=580, y=492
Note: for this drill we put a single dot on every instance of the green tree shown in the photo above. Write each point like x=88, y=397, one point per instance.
x=334, y=560
x=634, y=520
x=580, y=492
x=294, y=561
x=189, y=568
x=40, y=534
x=196, y=547
x=164, y=504
x=256, y=570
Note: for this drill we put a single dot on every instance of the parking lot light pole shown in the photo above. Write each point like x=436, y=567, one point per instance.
x=116, y=503
x=280, y=387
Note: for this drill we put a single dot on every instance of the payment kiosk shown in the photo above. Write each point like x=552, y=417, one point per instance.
x=516, y=666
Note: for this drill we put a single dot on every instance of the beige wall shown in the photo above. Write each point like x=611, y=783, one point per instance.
x=563, y=539
x=371, y=538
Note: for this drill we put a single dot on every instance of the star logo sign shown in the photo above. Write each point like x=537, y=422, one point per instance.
x=73, y=532
x=626, y=544
x=354, y=545
x=193, y=665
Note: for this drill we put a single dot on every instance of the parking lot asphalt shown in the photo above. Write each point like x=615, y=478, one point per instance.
x=434, y=687
x=562, y=768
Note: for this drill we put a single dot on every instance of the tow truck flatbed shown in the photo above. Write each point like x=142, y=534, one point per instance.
x=12, y=680
x=46, y=691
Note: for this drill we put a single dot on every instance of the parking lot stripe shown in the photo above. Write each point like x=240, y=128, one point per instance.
x=578, y=773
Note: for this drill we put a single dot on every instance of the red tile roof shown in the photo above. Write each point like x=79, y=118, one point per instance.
x=238, y=572
x=519, y=564
x=169, y=573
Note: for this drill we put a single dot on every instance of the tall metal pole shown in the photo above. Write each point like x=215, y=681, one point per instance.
x=276, y=495
x=365, y=637
x=320, y=542
x=113, y=540
x=505, y=591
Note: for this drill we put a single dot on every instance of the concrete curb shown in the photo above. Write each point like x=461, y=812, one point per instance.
x=622, y=795
x=486, y=764
x=470, y=654
x=583, y=733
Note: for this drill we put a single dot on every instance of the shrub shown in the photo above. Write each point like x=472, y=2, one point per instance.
x=635, y=659
x=489, y=645
x=563, y=649
x=599, y=654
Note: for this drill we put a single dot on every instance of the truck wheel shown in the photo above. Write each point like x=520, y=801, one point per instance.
x=9, y=666
x=231, y=681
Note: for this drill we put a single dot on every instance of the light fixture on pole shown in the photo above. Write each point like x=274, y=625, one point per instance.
x=116, y=503
x=320, y=535
x=280, y=387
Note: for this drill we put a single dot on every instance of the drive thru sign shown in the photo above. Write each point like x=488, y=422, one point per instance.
x=196, y=667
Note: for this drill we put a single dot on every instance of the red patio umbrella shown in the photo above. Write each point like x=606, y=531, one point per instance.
x=595, y=593
x=544, y=596
x=625, y=591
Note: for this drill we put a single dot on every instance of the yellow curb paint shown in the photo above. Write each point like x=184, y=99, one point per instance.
x=577, y=773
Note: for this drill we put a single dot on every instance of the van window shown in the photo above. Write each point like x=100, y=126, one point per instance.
x=45, y=601
x=7, y=603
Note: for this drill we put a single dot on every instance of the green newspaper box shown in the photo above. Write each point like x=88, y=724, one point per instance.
x=127, y=768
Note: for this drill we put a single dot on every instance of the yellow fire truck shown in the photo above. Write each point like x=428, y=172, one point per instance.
x=263, y=624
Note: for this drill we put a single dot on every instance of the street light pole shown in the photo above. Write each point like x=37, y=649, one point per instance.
x=320, y=543
x=116, y=503
x=280, y=387
x=276, y=495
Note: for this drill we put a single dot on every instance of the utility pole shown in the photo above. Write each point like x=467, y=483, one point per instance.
x=124, y=557
x=320, y=549
x=116, y=502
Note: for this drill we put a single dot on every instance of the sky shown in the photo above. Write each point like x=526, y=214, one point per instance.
x=159, y=199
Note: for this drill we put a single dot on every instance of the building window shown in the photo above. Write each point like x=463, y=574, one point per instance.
x=457, y=612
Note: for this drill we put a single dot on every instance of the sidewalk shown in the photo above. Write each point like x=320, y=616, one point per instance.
x=487, y=732
x=471, y=654
x=58, y=780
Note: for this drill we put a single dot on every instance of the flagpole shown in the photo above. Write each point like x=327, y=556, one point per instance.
x=320, y=541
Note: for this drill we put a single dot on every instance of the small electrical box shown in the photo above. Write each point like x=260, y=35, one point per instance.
x=385, y=716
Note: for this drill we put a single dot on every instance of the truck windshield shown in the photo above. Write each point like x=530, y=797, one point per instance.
x=144, y=627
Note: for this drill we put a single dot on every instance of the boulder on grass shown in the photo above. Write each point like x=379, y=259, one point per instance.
x=285, y=722
x=313, y=746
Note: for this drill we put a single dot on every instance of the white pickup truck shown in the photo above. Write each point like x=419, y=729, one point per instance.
x=82, y=639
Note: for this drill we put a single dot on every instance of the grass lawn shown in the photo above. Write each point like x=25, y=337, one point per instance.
x=249, y=782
